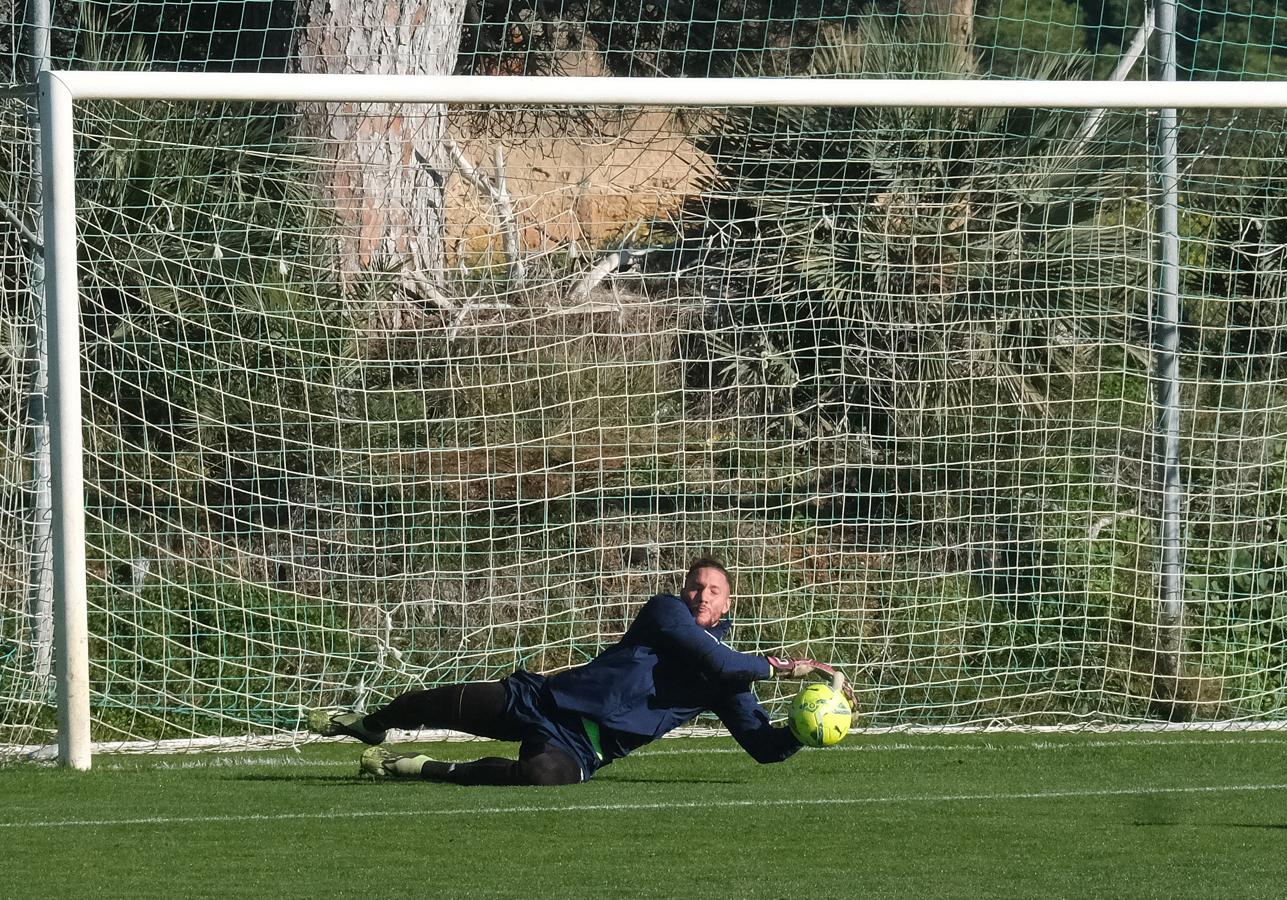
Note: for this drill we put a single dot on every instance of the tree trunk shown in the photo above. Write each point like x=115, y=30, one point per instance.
x=955, y=17
x=389, y=161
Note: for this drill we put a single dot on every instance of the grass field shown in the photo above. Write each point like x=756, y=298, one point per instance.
x=970, y=816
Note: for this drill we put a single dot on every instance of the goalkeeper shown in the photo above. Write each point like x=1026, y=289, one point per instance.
x=670, y=665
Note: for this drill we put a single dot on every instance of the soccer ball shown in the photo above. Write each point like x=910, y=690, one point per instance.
x=819, y=716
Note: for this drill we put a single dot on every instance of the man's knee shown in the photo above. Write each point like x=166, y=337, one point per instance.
x=550, y=768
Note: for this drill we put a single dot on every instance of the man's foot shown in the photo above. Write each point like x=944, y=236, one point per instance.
x=380, y=763
x=349, y=724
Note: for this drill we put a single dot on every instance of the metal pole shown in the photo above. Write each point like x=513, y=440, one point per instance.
x=1090, y=127
x=71, y=628
x=1167, y=369
x=40, y=596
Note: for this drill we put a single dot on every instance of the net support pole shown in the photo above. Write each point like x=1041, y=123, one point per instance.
x=40, y=599
x=1166, y=313
x=71, y=629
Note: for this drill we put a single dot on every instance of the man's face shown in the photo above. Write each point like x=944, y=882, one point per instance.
x=707, y=594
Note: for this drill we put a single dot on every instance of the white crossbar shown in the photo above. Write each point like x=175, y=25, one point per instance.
x=529, y=90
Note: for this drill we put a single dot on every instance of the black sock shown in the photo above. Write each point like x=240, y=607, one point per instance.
x=491, y=770
x=433, y=770
x=547, y=768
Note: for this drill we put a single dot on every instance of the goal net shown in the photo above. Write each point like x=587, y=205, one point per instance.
x=384, y=396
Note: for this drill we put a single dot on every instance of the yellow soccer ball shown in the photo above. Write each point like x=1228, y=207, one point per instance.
x=819, y=716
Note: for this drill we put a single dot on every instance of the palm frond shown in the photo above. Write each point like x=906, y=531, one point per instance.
x=902, y=261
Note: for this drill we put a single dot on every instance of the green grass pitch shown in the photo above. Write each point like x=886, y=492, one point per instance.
x=971, y=816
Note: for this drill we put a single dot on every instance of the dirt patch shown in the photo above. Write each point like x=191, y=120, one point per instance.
x=574, y=182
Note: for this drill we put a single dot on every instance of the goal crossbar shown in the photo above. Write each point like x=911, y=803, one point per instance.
x=635, y=91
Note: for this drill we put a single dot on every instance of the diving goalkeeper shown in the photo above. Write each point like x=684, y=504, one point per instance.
x=670, y=665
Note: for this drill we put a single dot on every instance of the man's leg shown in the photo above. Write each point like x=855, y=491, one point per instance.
x=538, y=764
x=476, y=708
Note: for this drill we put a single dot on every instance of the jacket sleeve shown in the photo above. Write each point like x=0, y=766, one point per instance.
x=749, y=724
x=674, y=631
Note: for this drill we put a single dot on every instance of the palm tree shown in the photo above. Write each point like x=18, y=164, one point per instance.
x=899, y=271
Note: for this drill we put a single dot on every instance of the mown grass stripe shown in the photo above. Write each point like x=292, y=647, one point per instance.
x=233, y=760
x=1042, y=745
x=643, y=807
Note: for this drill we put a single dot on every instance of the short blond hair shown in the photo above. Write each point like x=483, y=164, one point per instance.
x=706, y=562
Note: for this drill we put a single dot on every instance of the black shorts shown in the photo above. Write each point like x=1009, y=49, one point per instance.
x=540, y=724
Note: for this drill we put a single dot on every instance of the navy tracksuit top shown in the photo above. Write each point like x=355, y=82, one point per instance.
x=664, y=671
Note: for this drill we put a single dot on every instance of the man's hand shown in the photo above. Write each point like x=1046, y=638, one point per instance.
x=800, y=668
x=804, y=668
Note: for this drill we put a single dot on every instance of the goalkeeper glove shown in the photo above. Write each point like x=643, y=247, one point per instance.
x=804, y=668
x=800, y=668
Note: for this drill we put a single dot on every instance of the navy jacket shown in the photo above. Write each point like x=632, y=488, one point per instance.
x=663, y=672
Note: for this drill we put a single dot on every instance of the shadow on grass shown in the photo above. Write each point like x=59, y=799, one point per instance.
x=664, y=779
x=1280, y=826
x=310, y=779
x=1167, y=812
x=333, y=780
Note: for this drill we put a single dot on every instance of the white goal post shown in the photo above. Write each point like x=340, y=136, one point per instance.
x=59, y=92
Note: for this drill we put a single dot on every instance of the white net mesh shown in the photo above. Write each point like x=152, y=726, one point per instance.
x=379, y=400
x=25, y=622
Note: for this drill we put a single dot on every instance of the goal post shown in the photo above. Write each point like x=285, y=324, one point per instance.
x=835, y=459
x=62, y=311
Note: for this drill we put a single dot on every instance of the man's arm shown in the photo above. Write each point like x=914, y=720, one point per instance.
x=749, y=724
x=673, y=630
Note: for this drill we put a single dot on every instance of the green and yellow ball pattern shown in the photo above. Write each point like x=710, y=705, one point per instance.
x=819, y=716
